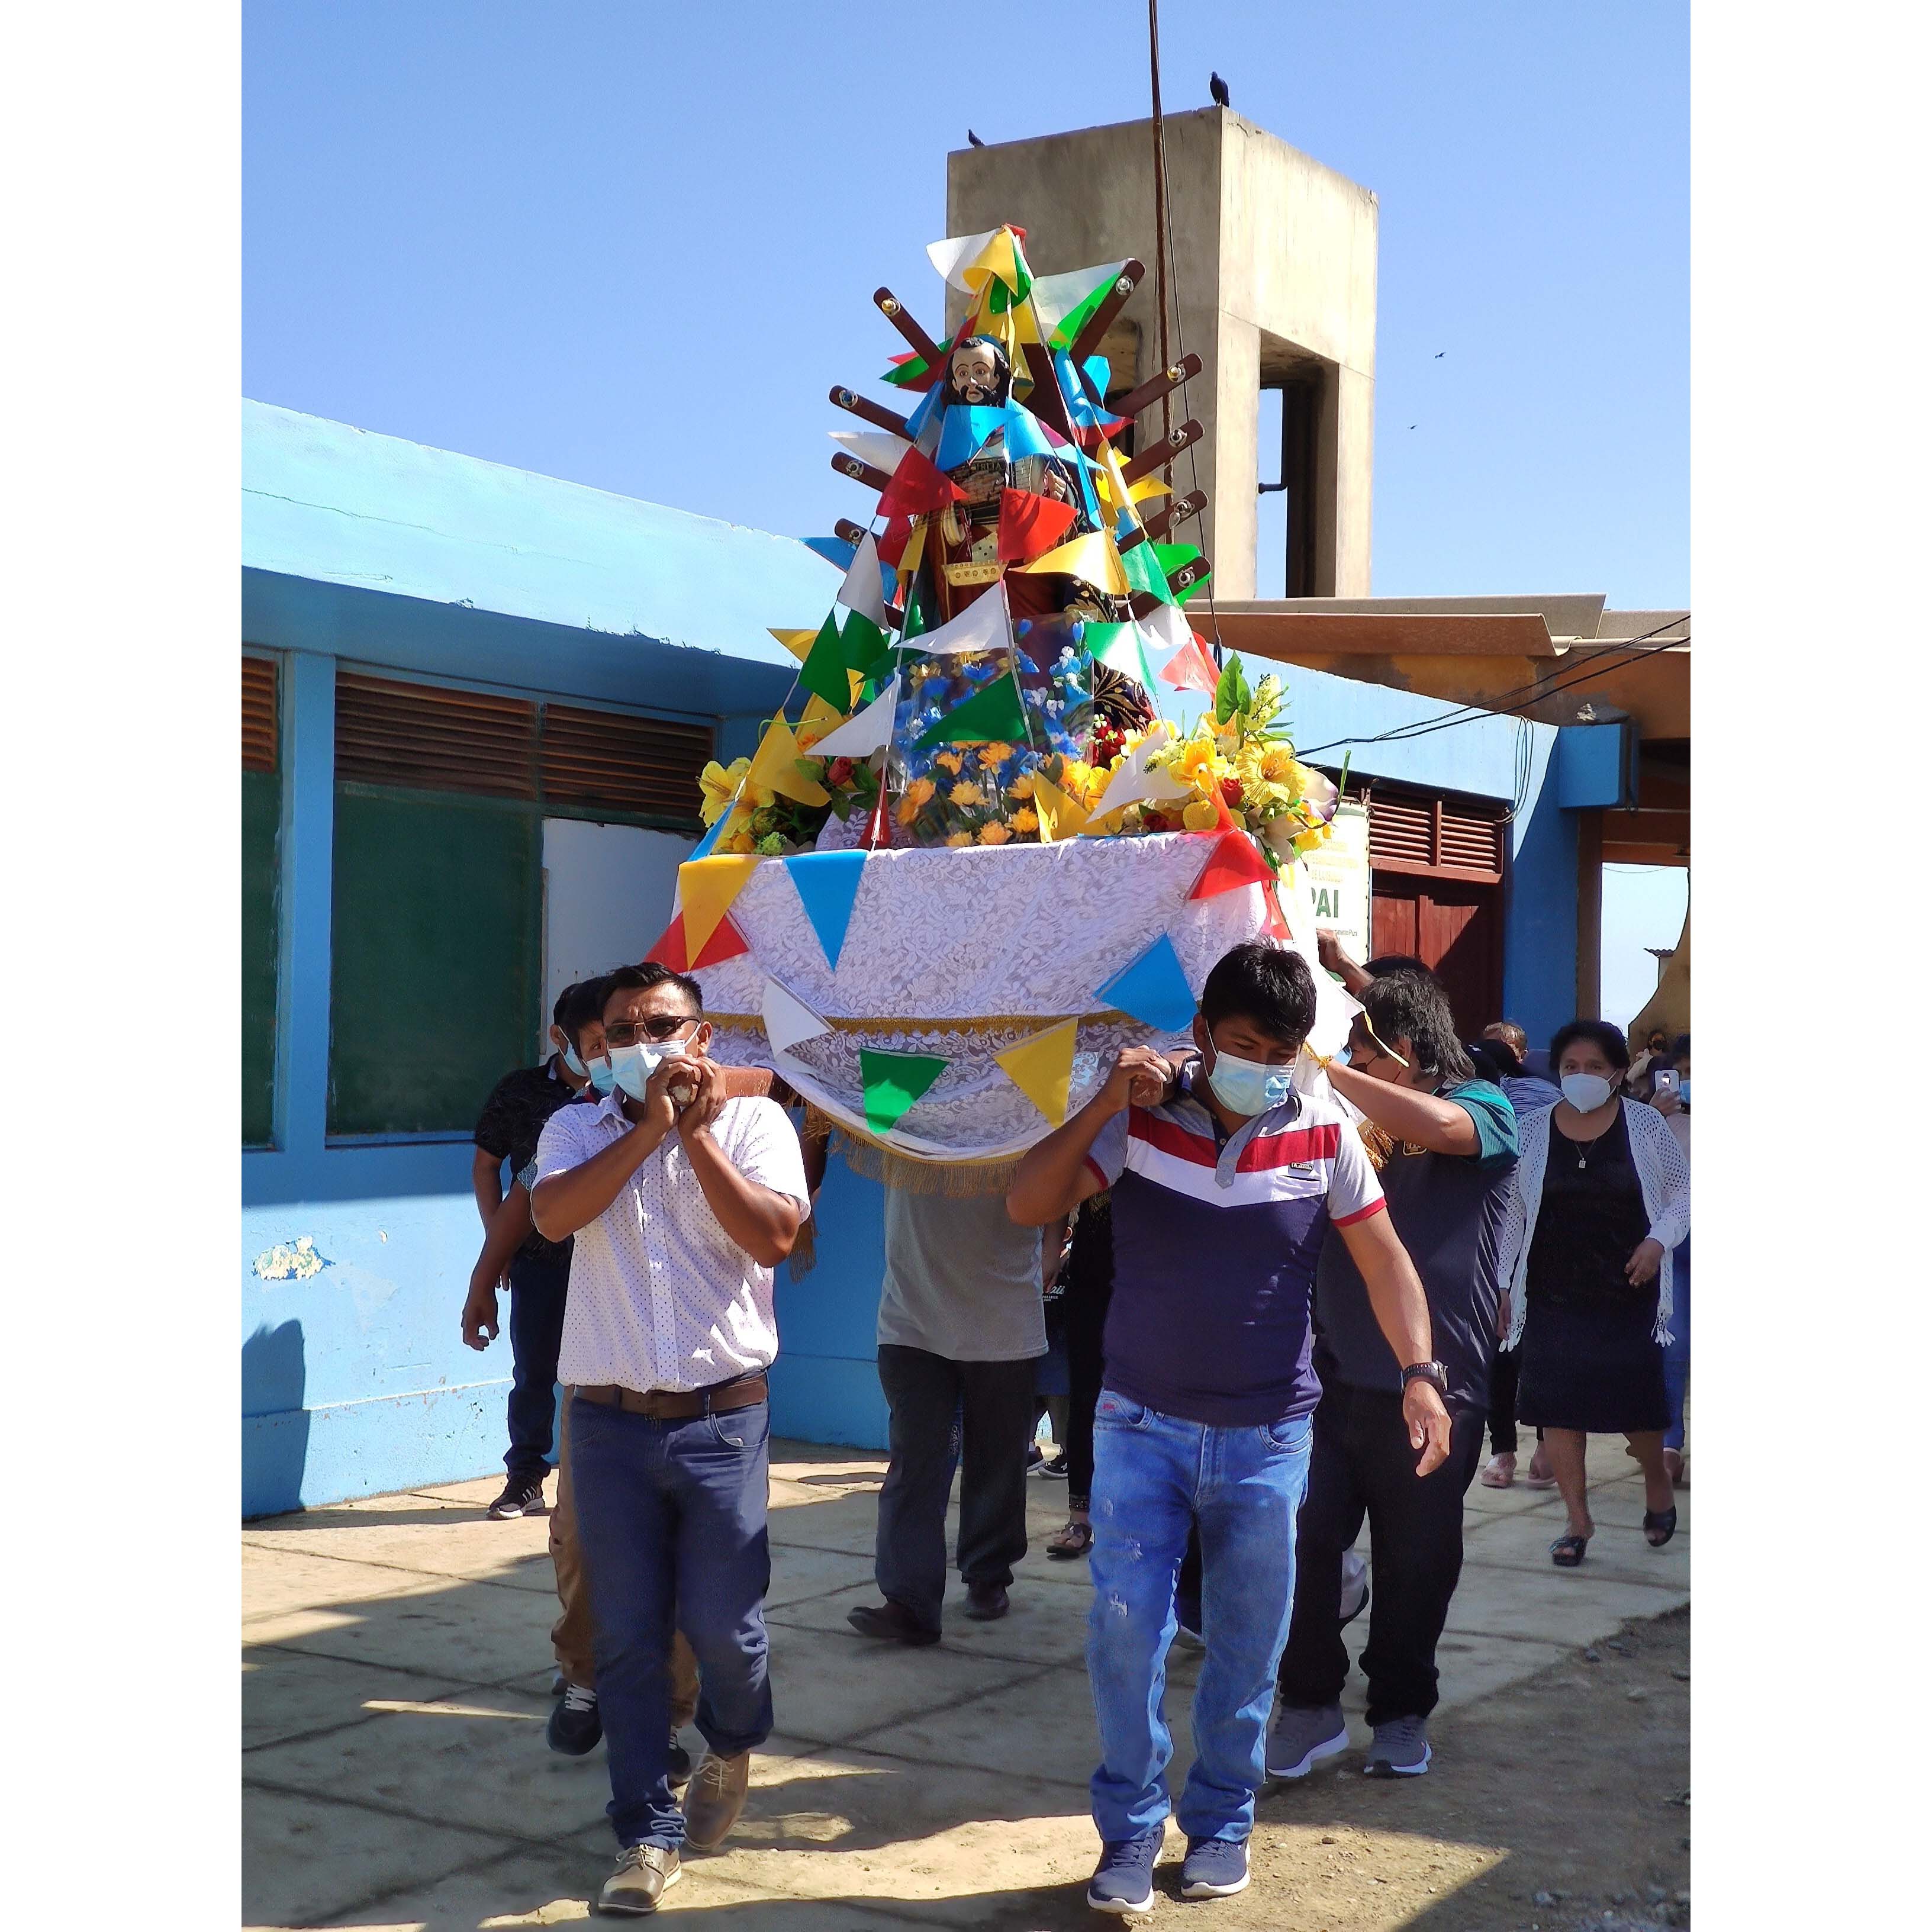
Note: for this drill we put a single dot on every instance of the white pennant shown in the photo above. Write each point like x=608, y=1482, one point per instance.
x=1133, y=781
x=862, y=590
x=880, y=447
x=865, y=732
x=983, y=625
x=1168, y=628
x=787, y=1019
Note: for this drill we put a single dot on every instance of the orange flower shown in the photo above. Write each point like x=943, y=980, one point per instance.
x=995, y=834
x=951, y=760
x=995, y=754
x=966, y=794
x=918, y=792
x=956, y=838
x=1026, y=820
x=1021, y=787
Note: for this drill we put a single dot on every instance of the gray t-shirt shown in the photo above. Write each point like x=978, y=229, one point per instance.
x=962, y=1280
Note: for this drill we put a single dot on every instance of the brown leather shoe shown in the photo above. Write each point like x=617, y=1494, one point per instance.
x=987, y=1602
x=644, y=1873
x=714, y=1798
x=893, y=1621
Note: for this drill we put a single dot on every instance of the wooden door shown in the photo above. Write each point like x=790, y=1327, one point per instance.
x=1456, y=930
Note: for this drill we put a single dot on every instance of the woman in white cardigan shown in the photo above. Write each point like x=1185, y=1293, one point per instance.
x=1598, y=1201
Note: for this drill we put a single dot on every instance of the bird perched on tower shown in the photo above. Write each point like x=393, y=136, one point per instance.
x=972, y=140
x=1218, y=88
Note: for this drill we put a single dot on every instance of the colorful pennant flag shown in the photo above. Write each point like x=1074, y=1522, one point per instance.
x=1059, y=817
x=996, y=711
x=983, y=625
x=864, y=733
x=797, y=642
x=894, y=1083
x=824, y=668
x=917, y=488
x=705, y=888
x=1140, y=567
x=1030, y=525
x=1133, y=781
x=1119, y=647
x=880, y=447
x=775, y=763
x=1041, y=1068
x=1190, y=668
x=865, y=646
x=1091, y=558
x=1234, y=861
x=863, y=591
x=788, y=1019
x=827, y=882
x=1153, y=988
x=726, y=942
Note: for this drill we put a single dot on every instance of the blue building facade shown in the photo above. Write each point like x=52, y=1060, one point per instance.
x=474, y=702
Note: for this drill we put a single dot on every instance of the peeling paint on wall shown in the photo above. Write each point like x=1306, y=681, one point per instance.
x=295, y=1260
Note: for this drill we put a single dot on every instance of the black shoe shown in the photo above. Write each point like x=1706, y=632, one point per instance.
x=986, y=1603
x=677, y=1765
x=559, y=1685
x=576, y=1726
x=522, y=1495
x=1053, y=1468
x=892, y=1620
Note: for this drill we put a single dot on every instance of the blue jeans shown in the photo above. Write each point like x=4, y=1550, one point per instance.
x=538, y=1285
x=671, y=1517
x=1677, y=1355
x=1155, y=1476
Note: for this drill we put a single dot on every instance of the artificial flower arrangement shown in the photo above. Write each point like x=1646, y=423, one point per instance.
x=1238, y=763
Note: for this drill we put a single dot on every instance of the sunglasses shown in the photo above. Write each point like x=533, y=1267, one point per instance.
x=659, y=1027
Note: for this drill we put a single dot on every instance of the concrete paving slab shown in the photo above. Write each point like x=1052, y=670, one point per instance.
x=831, y=1686
x=1565, y=1607
x=1044, y=1626
x=1617, y=1552
x=801, y=1573
x=478, y=1757
x=471, y=1632
x=478, y=1491
x=304, y=1857
x=287, y=1693
x=849, y=1523
x=440, y=1539
x=928, y=1839
x=275, y=1581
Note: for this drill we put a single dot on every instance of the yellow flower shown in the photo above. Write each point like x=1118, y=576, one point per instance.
x=1021, y=787
x=1026, y=820
x=1278, y=764
x=739, y=842
x=951, y=760
x=918, y=792
x=908, y=811
x=1315, y=834
x=1199, y=764
x=966, y=794
x=995, y=834
x=957, y=838
x=719, y=785
x=995, y=754
x=1199, y=815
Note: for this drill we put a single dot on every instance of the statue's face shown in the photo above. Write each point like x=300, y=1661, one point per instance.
x=976, y=375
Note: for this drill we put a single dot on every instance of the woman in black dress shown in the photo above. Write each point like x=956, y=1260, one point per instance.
x=1601, y=1197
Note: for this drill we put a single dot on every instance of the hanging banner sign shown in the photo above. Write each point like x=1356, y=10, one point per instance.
x=1338, y=881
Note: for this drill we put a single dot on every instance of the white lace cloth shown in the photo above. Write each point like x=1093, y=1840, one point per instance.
x=1023, y=933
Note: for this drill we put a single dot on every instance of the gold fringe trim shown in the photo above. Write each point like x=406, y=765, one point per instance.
x=1003, y=1023
x=957, y=1179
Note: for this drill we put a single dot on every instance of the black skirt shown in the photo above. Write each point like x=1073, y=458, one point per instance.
x=1592, y=1369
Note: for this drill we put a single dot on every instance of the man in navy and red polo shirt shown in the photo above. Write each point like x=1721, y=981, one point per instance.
x=1221, y=1195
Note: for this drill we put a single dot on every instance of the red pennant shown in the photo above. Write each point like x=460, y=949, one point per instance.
x=1030, y=525
x=1235, y=861
x=1191, y=668
x=1277, y=920
x=878, y=836
x=897, y=534
x=918, y=488
x=726, y=943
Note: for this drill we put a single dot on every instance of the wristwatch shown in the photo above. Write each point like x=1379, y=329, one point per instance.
x=1433, y=1373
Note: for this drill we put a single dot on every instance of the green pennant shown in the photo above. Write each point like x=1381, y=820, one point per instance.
x=823, y=669
x=996, y=713
x=865, y=645
x=894, y=1083
x=1068, y=331
x=916, y=625
x=1172, y=557
x=1118, y=646
x=1142, y=565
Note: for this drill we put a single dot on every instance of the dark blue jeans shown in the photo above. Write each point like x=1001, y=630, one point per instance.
x=670, y=1516
x=538, y=1284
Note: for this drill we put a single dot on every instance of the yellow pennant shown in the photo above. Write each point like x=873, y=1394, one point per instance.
x=705, y=888
x=1059, y=817
x=821, y=717
x=1091, y=558
x=1041, y=1068
x=775, y=767
x=799, y=642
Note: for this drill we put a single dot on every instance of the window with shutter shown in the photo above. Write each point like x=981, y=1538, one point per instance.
x=1429, y=839
x=261, y=893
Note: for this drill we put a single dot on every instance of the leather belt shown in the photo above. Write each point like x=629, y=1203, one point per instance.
x=677, y=1406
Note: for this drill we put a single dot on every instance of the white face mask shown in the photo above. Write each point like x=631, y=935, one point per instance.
x=1586, y=1092
x=634, y=1065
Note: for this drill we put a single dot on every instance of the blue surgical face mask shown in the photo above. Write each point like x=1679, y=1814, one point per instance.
x=1249, y=1086
x=576, y=1066
x=603, y=1075
x=635, y=1065
x=1684, y=1089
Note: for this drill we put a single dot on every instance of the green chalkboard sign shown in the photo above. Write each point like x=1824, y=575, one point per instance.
x=261, y=947
x=437, y=955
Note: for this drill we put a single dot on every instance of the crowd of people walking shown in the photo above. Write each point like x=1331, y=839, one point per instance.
x=1292, y=1296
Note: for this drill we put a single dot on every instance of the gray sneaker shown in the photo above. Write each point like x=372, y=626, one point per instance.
x=1400, y=1750
x=1300, y=1738
x=644, y=1873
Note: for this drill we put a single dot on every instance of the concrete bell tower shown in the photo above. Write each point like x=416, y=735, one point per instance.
x=1273, y=286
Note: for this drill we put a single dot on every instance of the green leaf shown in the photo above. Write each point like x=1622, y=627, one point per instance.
x=1231, y=695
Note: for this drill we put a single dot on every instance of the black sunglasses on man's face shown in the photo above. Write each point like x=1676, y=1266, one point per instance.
x=659, y=1027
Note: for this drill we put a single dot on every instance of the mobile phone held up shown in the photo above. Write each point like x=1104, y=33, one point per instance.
x=1664, y=1081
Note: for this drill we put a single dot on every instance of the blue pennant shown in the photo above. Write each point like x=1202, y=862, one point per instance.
x=963, y=429
x=1153, y=989
x=827, y=883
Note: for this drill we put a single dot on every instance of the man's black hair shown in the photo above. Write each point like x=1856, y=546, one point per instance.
x=1412, y=1006
x=1493, y=1059
x=1396, y=962
x=1269, y=985
x=576, y=1007
x=1599, y=1032
x=651, y=973
x=1680, y=1047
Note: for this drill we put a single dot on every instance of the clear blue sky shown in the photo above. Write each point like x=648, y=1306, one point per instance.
x=632, y=245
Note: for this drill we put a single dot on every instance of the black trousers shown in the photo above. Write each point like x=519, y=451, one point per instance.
x=539, y=1286
x=1505, y=1367
x=1089, y=1279
x=1363, y=1465
x=996, y=1406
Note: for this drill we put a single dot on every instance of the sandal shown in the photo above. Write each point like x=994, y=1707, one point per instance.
x=1567, y=1552
x=1075, y=1540
x=1655, y=1520
x=1496, y=1476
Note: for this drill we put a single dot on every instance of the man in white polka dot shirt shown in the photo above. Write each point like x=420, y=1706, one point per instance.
x=682, y=1202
